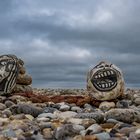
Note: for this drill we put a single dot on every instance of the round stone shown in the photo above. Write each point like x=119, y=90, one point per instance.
x=105, y=82
x=124, y=115
x=76, y=109
x=47, y=133
x=2, y=106
x=9, y=103
x=64, y=107
x=137, y=101
x=93, y=129
x=47, y=115
x=105, y=106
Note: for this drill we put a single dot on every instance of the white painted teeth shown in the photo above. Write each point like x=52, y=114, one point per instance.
x=103, y=85
x=112, y=72
x=96, y=76
x=106, y=85
x=104, y=74
x=108, y=72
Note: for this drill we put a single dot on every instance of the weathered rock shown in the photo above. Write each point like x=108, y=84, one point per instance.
x=105, y=106
x=17, y=117
x=112, y=121
x=26, y=109
x=96, y=116
x=102, y=136
x=61, y=133
x=64, y=107
x=76, y=109
x=44, y=125
x=93, y=129
x=18, y=99
x=137, y=133
x=24, y=79
x=49, y=110
x=22, y=89
x=2, y=99
x=122, y=104
x=43, y=119
x=47, y=115
x=9, y=133
x=65, y=115
x=22, y=70
x=8, y=73
x=47, y=133
x=30, y=117
x=137, y=101
x=9, y=103
x=88, y=108
x=2, y=106
x=126, y=130
x=105, y=82
x=84, y=122
x=124, y=115
x=6, y=113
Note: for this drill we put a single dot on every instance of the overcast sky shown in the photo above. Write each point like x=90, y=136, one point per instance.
x=60, y=40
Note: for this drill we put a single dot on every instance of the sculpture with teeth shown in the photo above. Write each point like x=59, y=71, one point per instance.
x=8, y=73
x=105, y=82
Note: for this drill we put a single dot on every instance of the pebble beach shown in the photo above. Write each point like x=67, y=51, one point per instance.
x=21, y=118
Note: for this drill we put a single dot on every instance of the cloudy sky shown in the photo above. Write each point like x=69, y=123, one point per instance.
x=60, y=40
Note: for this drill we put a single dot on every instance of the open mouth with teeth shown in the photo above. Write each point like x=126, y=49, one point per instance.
x=104, y=80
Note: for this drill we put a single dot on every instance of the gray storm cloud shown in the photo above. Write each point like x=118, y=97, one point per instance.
x=61, y=41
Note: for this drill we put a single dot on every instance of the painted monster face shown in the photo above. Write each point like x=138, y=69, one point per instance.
x=105, y=81
x=8, y=73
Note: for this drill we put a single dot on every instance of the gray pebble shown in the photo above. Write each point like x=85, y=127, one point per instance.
x=47, y=115
x=98, y=117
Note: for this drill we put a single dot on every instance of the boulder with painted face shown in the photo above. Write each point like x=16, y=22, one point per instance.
x=105, y=82
x=9, y=69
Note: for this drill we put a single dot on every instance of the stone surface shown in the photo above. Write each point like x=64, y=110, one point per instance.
x=64, y=131
x=9, y=103
x=76, y=109
x=8, y=73
x=98, y=117
x=105, y=106
x=93, y=129
x=125, y=115
x=103, y=136
x=123, y=104
x=47, y=133
x=84, y=122
x=137, y=101
x=22, y=89
x=47, y=115
x=105, y=82
x=2, y=106
x=22, y=70
x=65, y=115
x=24, y=79
x=26, y=109
x=64, y=107
x=22, y=119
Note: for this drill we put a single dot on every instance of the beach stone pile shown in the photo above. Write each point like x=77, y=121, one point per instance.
x=21, y=119
x=24, y=80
